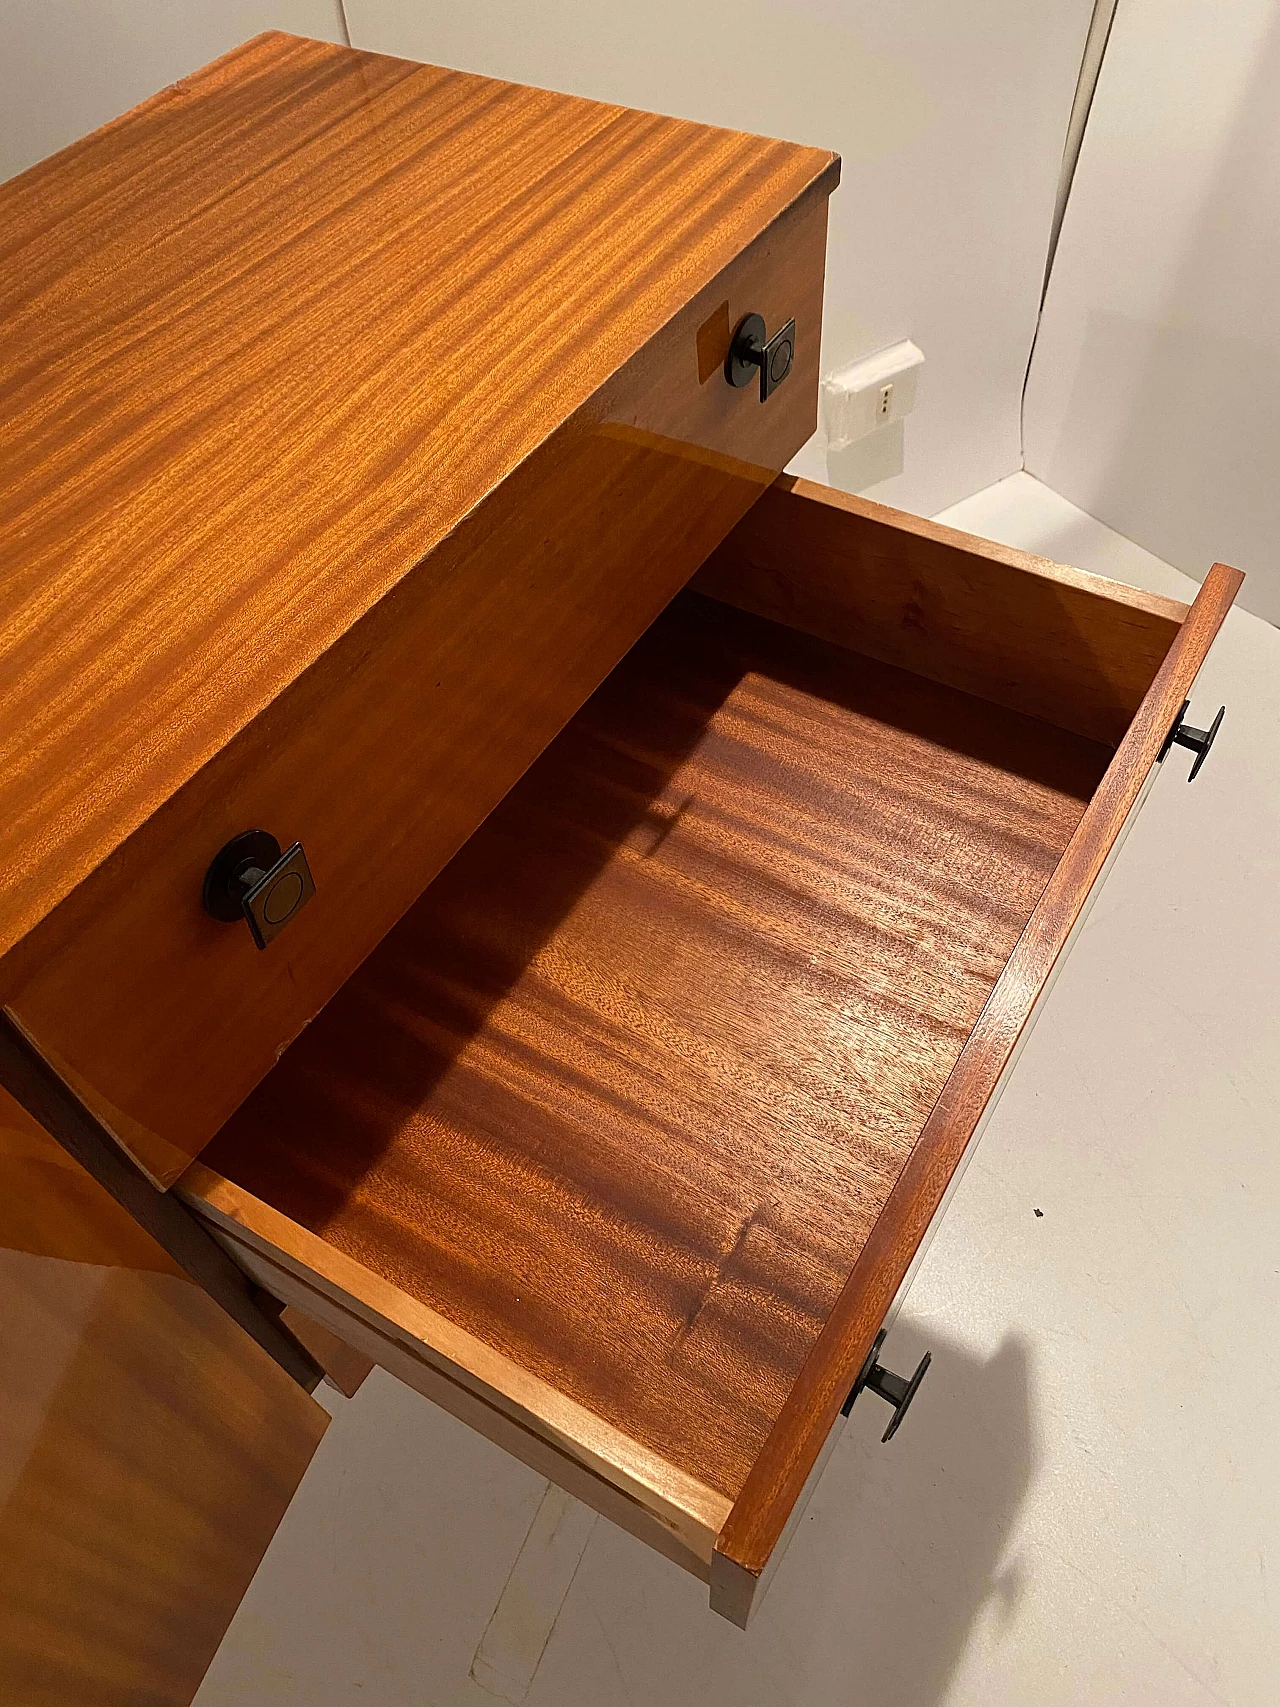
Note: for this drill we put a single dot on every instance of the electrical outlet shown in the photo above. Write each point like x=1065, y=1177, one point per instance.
x=870, y=395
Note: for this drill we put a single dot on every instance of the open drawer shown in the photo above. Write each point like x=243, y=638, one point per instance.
x=621, y=1143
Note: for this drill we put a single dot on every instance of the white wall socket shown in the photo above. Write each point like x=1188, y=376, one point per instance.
x=869, y=394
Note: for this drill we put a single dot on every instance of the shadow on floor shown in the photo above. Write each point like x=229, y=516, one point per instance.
x=916, y=1549
x=902, y=1551
x=388, y=1566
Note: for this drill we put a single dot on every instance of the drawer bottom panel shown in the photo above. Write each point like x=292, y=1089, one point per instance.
x=621, y=1098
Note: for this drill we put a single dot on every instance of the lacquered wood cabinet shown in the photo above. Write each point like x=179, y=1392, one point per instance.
x=364, y=414
x=657, y=861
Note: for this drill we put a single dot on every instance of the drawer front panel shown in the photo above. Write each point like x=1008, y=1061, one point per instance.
x=385, y=756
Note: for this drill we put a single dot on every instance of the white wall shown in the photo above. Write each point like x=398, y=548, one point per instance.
x=1154, y=400
x=950, y=118
x=67, y=66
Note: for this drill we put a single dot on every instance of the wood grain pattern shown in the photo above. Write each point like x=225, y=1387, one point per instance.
x=238, y=332
x=768, y=1493
x=626, y=1483
x=624, y=1094
x=344, y=1367
x=148, y=1448
x=340, y=391
x=485, y=1388
x=1073, y=648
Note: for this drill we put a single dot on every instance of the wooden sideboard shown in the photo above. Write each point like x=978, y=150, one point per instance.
x=548, y=897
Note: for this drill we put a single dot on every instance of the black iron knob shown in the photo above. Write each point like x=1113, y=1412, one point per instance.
x=751, y=353
x=1199, y=740
x=251, y=879
x=896, y=1390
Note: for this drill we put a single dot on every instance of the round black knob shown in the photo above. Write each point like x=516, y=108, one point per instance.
x=750, y=354
x=1199, y=740
x=896, y=1390
x=251, y=879
x=235, y=869
x=743, y=361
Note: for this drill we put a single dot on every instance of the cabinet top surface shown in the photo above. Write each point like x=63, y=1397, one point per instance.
x=266, y=340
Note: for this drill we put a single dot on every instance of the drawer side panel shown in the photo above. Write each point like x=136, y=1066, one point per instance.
x=763, y=1507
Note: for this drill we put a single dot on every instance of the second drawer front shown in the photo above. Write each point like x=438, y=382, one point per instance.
x=389, y=752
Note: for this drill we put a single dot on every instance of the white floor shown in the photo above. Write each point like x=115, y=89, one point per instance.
x=1084, y=1505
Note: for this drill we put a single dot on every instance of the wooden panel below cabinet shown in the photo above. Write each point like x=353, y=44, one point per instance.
x=625, y=1092
x=148, y=1448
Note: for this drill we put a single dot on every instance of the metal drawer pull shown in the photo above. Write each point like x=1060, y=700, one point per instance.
x=896, y=1390
x=1199, y=740
x=748, y=351
x=251, y=879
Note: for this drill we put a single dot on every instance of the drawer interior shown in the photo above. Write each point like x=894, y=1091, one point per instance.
x=623, y=1094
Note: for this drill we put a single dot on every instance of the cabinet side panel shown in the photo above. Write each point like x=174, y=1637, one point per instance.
x=148, y=1449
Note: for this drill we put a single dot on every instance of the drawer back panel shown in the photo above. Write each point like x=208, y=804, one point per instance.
x=1059, y=643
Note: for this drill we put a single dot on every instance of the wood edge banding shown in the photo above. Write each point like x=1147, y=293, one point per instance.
x=691, y=1550
x=133, y=1139
x=697, y=1512
x=775, y=1481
